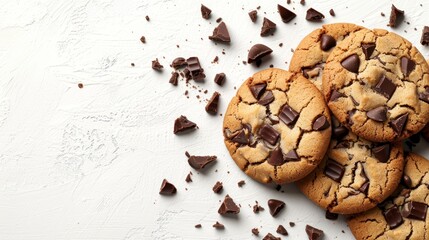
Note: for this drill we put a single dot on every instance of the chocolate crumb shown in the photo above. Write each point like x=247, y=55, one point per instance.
x=217, y=188
x=292, y=224
x=255, y=231
x=280, y=44
x=257, y=208
x=198, y=226
x=156, y=65
x=331, y=12
x=258, y=7
x=219, y=225
x=288, y=1
x=167, y=188
x=253, y=15
x=80, y=85
x=219, y=20
x=147, y=18
x=215, y=60
x=188, y=177
x=133, y=65
x=425, y=36
x=143, y=39
x=241, y=183
x=174, y=78
x=205, y=12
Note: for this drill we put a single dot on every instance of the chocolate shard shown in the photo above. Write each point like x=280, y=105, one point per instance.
x=314, y=15
x=275, y=206
x=393, y=217
x=399, y=123
x=255, y=231
x=195, y=69
x=351, y=63
x=424, y=96
x=288, y=115
x=327, y=42
x=406, y=180
x=332, y=12
x=268, y=27
x=385, y=87
x=257, y=52
x=205, y=12
x=228, y=206
x=269, y=134
x=179, y=62
x=182, y=124
x=321, y=123
x=331, y=216
x=292, y=155
x=378, y=114
x=217, y=188
x=199, y=162
x=368, y=49
x=313, y=233
x=240, y=138
x=198, y=225
x=156, y=65
x=213, y=103
x=334, y=170
x=219, y=225
x=221, y=34
x=382, y=153
x=189, y=177
x=282, y=230
x=220, y=79
x=339, y=132
x=174, y=78
x=167, y=188
x=270, y=236
x=407, y=66
x=395, y=16
x=258, y=89
x=364, y=188
x=253, y=15
x=415, y=210
x=241, y=183
x=424, y=40
x=335, y=95
x=286, y=14
x=276, y=157
x=266, y=98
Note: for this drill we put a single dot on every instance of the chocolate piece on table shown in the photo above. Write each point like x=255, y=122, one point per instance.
x=220, y=79
x=415, y=210
x=195, y=69
x=270, y=236
x=174, y=78
x=393, y=217
x=288, y=115
x=178, y=63
x=331, y=12
x=257, y=208
x=213, y=103
x=399, y=123
x=395, y=16
x=143, y=39
x=228, y=206
x=241, y=183
x=217, y=188
x=321, y=123
x=188, y=177
x=219, y=225
x=266, y=98
x=269, y=134
x=314, y=15
x=156, y=65
x=334, y=170
x=424, y=40
x=335, y=95
x=407, y=181
x=285, y=13
x=351, y=63
x=368, y=49
x=199, y=162
x=147, y=18
x=182, y=124
x=385, y=87
x=268, y=27
x=378, y=114
x=221, y=34
x=275, y=206
x=282, y=230
x=382, y=153
x=258, y=89
x=313, y=233
x=253, y=15
x=255, y=231
x=257, y=52
x=205, y=12
x=167, y=188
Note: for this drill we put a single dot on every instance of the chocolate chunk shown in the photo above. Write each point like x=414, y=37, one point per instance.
x=285, y=13
x=332, y=12
x=382, y=153
x=393, y=217
x=156, y=65
x=257, y=52
x=228, y=206
x=269, y=134
x=220, y=79
x=266, y=98
x=221, y=34
x=364, y=188
x=174, y=78
x=407, y=66
x=218, y=225
x=335, y=95
x=270, y=236
x=292, y=224
x=424, y=96
x=143, y=39
x=240, y=138
x=199, y=162
x=268, y=27
x=331, y=216
x=385, y=87
x=327, y=42
x=258, y=89
x=407, y=181
x=424, y=40
x=167, y=188
x=313, y=233
x=282, y=230
x=188, y=177
x=275, y=206
x=287, y=115
x=257, y=208
x=187, y=74
x=368, y=49
x=314, y=16
x=213, y=103
x=399, y=123
x=182, y=124
x=179, y=62
x=217, y=188
x=195, y=69
x=276, y=157
x=198, y=225
x=378, y=114
x=321, y=123
x=351, y=63
x=415, y=210
x=339, y=132
x=351, y=113
x=219, y=20
x=253, y=15
x=205, y=12
x=334, y=170
x=255, y=231
x=241, y=183
x=292, y=155
x=302, y=2
x=395, y=16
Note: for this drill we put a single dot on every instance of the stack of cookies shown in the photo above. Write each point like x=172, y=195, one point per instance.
x=334, y=124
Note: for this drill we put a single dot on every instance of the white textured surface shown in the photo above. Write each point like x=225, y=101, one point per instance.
x=87, y=163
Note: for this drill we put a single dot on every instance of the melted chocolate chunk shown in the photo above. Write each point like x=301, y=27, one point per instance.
x=221, y=34
x=199, y=162
x=399, y=123
x=292, y=155
x=313, y=233
x=364, y=188
x=156, y=65
x=331, y=216
x=407, y=181
x=167, y=188
x=335, y=95
x=269, y=134
x=270, y=236
x=213, y=103
x=174, y=78
x=275, y=206
x=314, y=15
x=228, y=206
x=424, y=96
x=327, y=42
x=393, y=217
x=268, y=27
x=182, y=124
x=378, y=114
x=382, y=153
x=368, y=49
x=334, y=170
x=415, y=210
x=321, y=123
x=276, y=157
x=385, y=87
x=407, y=66
x=285, y=13
x=257, y=52
x=351, y=63
x=288, y=115
x=258, y=89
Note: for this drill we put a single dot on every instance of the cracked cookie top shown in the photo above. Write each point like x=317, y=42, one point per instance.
x=355, y=175
x=404, y=214
x=277, y=127
x=310, y=56
x=377, y=84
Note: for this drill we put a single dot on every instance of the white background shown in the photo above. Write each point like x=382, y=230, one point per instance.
x=88, y=163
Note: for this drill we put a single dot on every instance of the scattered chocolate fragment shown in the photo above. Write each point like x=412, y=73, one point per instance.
x=257, y=52
x=220, y=79
x=268, y=27
x=266, y=98
x=147, y=18
x=351, y=63
x=219, y=225
x=399, y=123
x=395, y=16
x=241, y=183
x=143, y=39
x=393, y=217
x=199, y=162
x=378, y=114
x=217, y=188
x=424, y=40
x=276, y=157
x=275, y=206
x=221, y=34
x=174, y=78
x=282, y=230
x=331, y=12
x=183, y=124
x=313, y=233
x=327, y=42
x=292, y=224
x=302, y=2
x=228, y=206
x=339, y=132
x=331, y=216
x=156, y=65
x=292, y=155
x=257, y=208
x=255, y=231
x=269, y=134
x=167, y=188
x=198, y=225
x=288, y=115
x=382, y=14
x=407, y=66
x=286, y=14
x=334, y=170
x=415, y=210
x=385, y=87
x=314, y=16
x=195, y=69
x=335, y=95
x=205, y=12
x=288, y=1
x=270, y=236
x=321, y=123
x=407, y=181
x=424, y=96
x=368, y=49
x=219, y=20
x=80, y=85
x=382, y=153
x=213, y=103
x=253, y=15
x=133, y=65
x=178, y=63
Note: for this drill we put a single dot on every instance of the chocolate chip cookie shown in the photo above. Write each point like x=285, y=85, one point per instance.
x=313, y=50
x=377, y=84
x=404, y=214
x=355, y=175
x=277, y=127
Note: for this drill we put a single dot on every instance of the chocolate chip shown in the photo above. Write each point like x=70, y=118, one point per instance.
x=395, y=16
x=399, y=123
x=221, y=34
x=407, y=66
x=258, y=89
x=331, y=216
x=174, y=78
x=217, y=188
x=240, y=138
x=321, y=123
x=364, y=188
x=205, y=12
x=314, y=16
x=424, y=96
x=213, y=103
x=282, y=230
x=332, y=12
x=407, y=181
x=269, y=134
x=270, y=236
x=292, y=155
x=199, y=162
x=415, y=210
x=313, y=233
x=292, y=224
x=143, y=39
x=228, y=206
x=424, y=40
x=188, y=177
x=198, y=225
x=255, y=231
x=266, y=98
x=351, y=63
x=268, y=27
x=219, y=20
x=241, y=183
x=393, y=217
x=182, y=124
x=327, y=42
x=368, y=49
x=276, y=157
x=195, y=69
x=257, y=208
x=385, y=87
x=257, y=52
x=179, y=62
x=288, y=115
x=302, y=2
x=335, y=95
x=275, y=206
x=167, y=188
x=220, y=79
x=219, y=226
x=378, y=114
x=253, y=15
x=334, y=170
x=147, y=18
x=285, y=13
x=382, y=153
x=339, y=132
x=156, y=65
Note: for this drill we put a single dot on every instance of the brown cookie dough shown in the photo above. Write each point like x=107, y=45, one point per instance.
x=313, y=50
x=277, y=127
x=377, y=84
x=355, y=175
x=404, y=214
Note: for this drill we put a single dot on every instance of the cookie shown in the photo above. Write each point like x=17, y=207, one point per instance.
x=355, y=175
x=377, y=84
x=310, y=56
x=404, y=214
x=277, y=127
